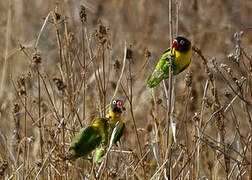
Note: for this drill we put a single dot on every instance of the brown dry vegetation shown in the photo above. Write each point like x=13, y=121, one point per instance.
x=52, y=87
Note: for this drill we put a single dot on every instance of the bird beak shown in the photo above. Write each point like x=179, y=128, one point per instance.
x=119, y=104
x=175, y=44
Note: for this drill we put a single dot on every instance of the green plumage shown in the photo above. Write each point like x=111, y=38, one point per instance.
x=96, y=135
x=180, y=61
x=119, y=134
x=100, y=151
x=89, y=138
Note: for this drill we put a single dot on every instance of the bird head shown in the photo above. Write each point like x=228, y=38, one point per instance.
x=181, y=44
x=116, y=106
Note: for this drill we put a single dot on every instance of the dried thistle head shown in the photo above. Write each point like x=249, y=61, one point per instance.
x=102, y=34
x=113, y=174
x=129, y=53
x=159, y=101
x=149, y=128
x=3, y=167
x=21, y=81
x=59, y=83
x=15, y=108
x=113, y=85
x=182, y=147
x=117, y=65
x=21, y=85
x=21, y=91
x=83, y=14
x=57, y=16
x=147, y=53
x=36, y=58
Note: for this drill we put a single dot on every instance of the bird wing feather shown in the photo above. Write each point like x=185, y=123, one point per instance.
x=86, y=141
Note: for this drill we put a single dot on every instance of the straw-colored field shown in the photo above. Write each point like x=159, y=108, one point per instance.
x=59, y=72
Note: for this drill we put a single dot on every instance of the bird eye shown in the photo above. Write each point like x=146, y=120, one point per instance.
x=182, y=42
x=114, y=102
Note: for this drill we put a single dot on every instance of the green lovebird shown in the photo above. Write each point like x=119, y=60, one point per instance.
x=182, y=50
x=114, y=116
x=89, y=138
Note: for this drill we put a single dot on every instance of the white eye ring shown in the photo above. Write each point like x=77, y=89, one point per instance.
x=114, y=102
x=182, y=42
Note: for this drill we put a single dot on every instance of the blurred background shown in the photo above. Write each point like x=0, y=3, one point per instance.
x=221, y=29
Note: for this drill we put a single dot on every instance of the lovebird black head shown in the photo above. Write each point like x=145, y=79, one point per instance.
x=116, y=106
x=181, y=44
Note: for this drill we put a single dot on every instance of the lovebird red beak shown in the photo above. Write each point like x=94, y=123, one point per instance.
x=119, y=104
x=175, y=44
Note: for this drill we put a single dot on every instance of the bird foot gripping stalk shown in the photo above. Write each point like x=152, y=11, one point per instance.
x=170, y=56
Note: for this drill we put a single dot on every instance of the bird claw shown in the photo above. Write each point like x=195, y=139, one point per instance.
x=170, y=56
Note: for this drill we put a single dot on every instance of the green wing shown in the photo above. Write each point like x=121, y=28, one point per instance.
x=161, y=71
x=85, y=141
x=119, y=134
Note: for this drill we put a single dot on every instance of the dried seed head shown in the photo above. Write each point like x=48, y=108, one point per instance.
x=149, y=128
x=57, y=16
x=117, y=65
x=83, y=14
x=208, y=102
x=219, y=122
x=102, y=30
x=21, y=91
x=59, y=83
x=147, y=53
x=102, y=34
x=182, y=147
x=16, y=108
x=129, y=54
x=36, y=58
x=21, y=80
x=3, y=167
x=188, y=79
x=159, y=101
x=113, y=174
x=113, y=85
